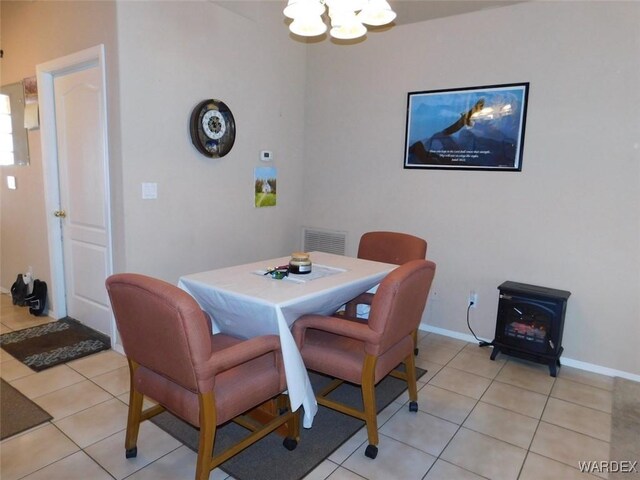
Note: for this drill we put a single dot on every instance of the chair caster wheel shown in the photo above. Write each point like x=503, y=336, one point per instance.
x=413, y=406
x=131, y=453
x=371, y=451
x=290, y=443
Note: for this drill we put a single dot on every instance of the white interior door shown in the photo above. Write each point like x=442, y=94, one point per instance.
x=83, y=211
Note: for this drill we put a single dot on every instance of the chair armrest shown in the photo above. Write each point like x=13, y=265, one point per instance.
x=339, y=326
x=351, y=307
x=238, y=354
x=363, y=299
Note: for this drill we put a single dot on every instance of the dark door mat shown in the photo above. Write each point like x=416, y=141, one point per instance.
x=53, y=343
x=18, y=413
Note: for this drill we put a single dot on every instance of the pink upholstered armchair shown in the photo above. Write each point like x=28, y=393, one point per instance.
x=387, y=247
x=364, y=353
x=205, y=379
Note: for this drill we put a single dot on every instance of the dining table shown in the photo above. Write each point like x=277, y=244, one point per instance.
x=246, y=301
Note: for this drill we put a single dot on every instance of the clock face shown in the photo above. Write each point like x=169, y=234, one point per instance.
x=212, y=128
x=214, y=124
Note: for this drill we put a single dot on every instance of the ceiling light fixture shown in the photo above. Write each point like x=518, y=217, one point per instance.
x=347, y=17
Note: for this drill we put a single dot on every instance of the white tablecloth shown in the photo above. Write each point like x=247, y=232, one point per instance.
x=245, y=304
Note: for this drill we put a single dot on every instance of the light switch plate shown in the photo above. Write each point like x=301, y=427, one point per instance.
x=149, y=191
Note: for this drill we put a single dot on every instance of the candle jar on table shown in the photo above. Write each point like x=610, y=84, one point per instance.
x=300, y=263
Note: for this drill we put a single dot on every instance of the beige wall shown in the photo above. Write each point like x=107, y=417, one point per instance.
x=33, y=33
x=166, y=57
x=173, y=55
x=334, y=117
x=569, y=220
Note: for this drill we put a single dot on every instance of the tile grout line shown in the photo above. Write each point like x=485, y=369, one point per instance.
x=465, y=419
x=460, y=426
x=539, y=420
x=438, y=457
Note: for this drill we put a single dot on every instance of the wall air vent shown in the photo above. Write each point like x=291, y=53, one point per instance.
x=318, y=240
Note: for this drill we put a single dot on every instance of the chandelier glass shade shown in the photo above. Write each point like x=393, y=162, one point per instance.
x=347, y=17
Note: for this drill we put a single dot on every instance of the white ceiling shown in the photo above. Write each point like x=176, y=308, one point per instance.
x=412, y=11
x=409, y=11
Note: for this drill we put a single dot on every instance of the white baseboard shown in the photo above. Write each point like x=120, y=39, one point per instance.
x=591, y=367
x=570, y=362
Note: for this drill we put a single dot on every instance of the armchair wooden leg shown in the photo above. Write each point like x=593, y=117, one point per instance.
x=207, y=435
x=351, y=309
x=410, y=372
x=134, y=416
x=293, y=425
x=293, y=430
x=369, y=401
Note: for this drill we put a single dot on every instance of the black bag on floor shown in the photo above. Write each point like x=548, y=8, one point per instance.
x=19, y=291
x=38, y=298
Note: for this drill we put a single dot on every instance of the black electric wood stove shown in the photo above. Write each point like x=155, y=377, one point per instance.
x=530, y=323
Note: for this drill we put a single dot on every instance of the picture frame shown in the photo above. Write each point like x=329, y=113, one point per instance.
x=265, y=191
x=475, y=128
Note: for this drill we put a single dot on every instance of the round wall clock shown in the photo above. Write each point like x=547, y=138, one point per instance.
x=212, y=128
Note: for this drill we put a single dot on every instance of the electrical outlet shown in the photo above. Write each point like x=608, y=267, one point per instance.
x=473, y=299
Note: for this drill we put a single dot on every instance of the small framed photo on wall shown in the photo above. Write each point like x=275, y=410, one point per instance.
x=476, y=128
x=265, y=187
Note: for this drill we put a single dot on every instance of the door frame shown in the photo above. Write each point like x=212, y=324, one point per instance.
x=46, y=73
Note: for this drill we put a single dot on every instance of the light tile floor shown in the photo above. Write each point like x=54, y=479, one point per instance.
x=477, y=418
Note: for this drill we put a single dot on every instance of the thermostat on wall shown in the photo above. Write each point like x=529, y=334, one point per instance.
x=266, y=155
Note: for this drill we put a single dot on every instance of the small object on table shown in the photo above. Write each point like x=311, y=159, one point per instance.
x=300, y=263
x=278, y=272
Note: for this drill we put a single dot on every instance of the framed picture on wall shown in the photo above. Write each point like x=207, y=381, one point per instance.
x=265, y=187
x=476, y=128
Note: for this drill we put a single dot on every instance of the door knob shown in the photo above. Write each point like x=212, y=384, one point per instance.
x=60, y=214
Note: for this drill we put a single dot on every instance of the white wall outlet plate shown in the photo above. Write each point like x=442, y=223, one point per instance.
x=266, y=155
x=473, y=299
